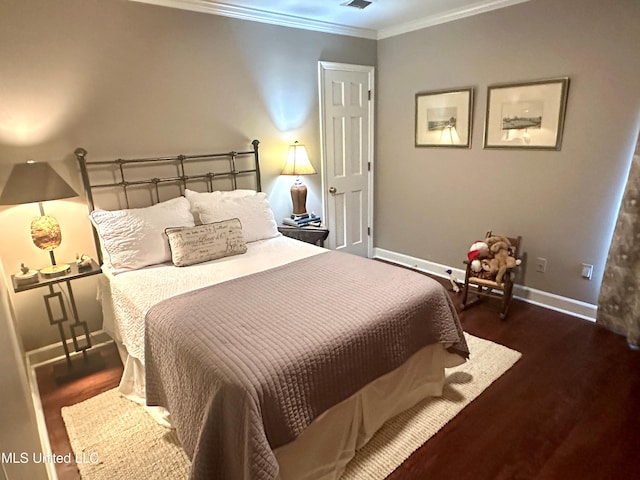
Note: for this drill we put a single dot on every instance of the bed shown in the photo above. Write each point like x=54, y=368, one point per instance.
x=272, y=358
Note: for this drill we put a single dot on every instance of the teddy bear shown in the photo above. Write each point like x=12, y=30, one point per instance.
x=496, y=243
x=477, y=252
x=501, y=259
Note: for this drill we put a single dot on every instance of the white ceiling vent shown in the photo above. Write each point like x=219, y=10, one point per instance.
x=361, y=4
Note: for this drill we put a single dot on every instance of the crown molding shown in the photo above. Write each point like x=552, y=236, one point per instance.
x=449, y=16
x=254, y=15
x=243, y=13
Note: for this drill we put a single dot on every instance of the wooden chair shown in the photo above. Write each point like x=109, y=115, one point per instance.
x=485, y=285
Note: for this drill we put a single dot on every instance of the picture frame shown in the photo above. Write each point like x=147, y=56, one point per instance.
x=444, y=118
x=526, y=115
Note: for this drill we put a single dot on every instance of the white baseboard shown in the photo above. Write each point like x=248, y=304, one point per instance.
x=55, y=351
x=570, y=306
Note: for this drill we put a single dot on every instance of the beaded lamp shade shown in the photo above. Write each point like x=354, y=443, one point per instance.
x=45, y=232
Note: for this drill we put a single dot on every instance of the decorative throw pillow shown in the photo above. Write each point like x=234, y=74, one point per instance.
x=190, y=245
x=134, y=238
x=253, y=211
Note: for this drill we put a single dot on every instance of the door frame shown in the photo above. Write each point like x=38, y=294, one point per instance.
x=346, y=67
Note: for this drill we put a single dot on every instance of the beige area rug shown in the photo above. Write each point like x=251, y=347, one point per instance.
x=115, y=438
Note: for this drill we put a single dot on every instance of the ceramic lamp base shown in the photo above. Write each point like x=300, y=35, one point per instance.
x=299, y=199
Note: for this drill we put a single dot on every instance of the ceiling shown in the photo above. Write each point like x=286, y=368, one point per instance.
x=381, y=19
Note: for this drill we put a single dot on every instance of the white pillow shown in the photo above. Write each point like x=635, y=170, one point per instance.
x=191, y=245
x=134, y=238
x=253, y=211
x=214, y=196
x=193, y=196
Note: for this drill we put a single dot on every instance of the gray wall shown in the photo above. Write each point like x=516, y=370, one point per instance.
x=124, y=79
x=433, y=203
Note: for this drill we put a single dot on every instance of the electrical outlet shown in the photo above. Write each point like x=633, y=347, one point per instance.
x=541, y=264
x=587, y=271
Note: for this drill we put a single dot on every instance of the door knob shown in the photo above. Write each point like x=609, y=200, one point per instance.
x=332, y=190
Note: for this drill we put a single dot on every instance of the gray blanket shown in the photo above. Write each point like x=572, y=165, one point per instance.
x=244, y=366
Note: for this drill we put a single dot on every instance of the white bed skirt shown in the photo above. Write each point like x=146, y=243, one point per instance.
x=323, y=450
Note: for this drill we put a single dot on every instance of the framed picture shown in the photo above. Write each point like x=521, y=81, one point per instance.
x=443, y=118
x=526, y=115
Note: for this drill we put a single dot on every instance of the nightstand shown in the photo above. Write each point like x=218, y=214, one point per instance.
x=309, y=234
x=88, y=362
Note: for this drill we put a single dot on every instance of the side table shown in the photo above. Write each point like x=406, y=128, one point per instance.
x=90, y=361
x=309, y=234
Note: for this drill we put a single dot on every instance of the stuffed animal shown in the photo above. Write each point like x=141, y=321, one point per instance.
x=497, y=243
x=501, y=260
x=478, y=251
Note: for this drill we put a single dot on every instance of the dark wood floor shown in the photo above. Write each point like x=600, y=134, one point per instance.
x=569, y=409
x=54, y=396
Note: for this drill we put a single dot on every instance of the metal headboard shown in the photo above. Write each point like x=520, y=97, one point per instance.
x=120, y=171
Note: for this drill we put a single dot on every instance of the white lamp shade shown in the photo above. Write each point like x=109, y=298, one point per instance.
x=298, y=161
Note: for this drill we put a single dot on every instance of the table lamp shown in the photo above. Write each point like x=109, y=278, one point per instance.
x=37, y=182
x=298, y=164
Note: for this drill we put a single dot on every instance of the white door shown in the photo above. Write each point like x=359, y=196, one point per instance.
x=346, y=122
